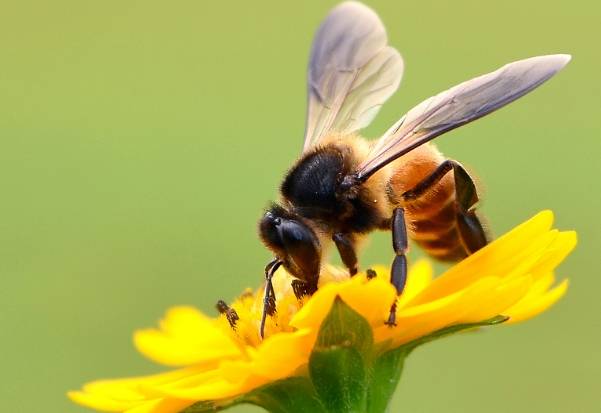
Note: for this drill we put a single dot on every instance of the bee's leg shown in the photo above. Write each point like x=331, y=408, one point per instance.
x=269, y=295
x=270, y=269
x=346, y=249
x=429, y=181
x=473, y=235
x=398, y=272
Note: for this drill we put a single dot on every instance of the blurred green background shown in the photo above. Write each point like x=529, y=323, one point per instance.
x=140, y=141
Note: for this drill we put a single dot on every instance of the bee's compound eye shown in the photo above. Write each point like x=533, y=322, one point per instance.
x=268, y=230
x=302, y=247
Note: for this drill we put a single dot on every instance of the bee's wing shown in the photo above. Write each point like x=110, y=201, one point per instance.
x=352, y=72
x=459, y=105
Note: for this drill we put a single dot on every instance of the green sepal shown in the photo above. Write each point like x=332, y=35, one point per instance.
x=386, y=373
x=295, y=394
x=343, y=326
x=340, y=361
x=209, y=406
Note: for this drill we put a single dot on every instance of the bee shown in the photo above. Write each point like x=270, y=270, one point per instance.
x=343, y=187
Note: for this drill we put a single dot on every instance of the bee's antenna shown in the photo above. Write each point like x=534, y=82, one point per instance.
x=269, y=296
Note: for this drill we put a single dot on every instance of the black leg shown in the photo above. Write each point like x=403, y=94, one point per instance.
x=269, y=295
x=428, y=181
x=466, y=194
x=398, y=272
x=472, y=234
x=346, y=249
x=270, y=269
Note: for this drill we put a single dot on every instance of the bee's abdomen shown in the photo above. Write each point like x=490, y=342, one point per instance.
x=433, y=227
x=432, y=213
x=432, y=216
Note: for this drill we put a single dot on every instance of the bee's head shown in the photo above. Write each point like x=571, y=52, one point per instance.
x=292, y=241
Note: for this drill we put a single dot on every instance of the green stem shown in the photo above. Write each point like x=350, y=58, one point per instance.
x=387, y=370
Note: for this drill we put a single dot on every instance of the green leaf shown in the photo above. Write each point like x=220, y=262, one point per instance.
x=340, y=362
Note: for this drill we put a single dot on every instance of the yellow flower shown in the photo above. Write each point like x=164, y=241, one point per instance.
x=512, y=277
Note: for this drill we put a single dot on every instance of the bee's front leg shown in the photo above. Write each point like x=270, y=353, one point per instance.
x=398, y=271
x=269, y=295
x=346, y=249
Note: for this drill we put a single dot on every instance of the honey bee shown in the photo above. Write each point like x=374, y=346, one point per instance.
x=343, y=187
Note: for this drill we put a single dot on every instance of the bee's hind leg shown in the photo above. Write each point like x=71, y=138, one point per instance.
x=398, y=271
x=472, y=233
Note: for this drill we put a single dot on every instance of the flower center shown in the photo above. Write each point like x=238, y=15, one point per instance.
x=242, y=319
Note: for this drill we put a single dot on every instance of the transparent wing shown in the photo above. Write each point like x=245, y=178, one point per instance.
x=459, y=105
x=352, y=72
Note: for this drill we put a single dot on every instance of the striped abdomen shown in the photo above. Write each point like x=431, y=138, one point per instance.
x=432, y=217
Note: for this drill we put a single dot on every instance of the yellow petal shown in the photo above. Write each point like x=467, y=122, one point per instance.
x=537, y=306
x=502, y=254
x=506, y=294
x=564, y=244
x=186, y=336
x=212, y=388
x=540, y=286
x=162, y=406
x=100, y=402
x=123, y=394
x=419, y=277
x=370, y=298
x=416, y=321
x=235, y=371
x=282, y=354
x=209, y=385
x=528, y=259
